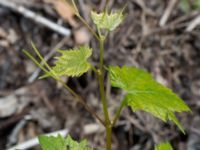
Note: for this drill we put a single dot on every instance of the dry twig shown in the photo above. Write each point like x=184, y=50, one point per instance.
x=193, y=24
x=35, y=17
x=148, y=11
x=167, y=12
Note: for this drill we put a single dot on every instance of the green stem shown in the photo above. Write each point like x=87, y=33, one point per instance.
x=94, y=69
x=75, y=7
x=35, y=61
x=107, y=2
x=103, y=97
x=118, y=113
x=108, y=137
x=101, y=83
x=101, y=56
x=40, y=56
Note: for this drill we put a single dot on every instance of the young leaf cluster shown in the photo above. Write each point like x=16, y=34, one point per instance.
x=107, y=21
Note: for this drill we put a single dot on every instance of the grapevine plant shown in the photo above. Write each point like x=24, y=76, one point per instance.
x=142, y=91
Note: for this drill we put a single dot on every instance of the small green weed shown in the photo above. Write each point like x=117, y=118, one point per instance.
x=142, y=91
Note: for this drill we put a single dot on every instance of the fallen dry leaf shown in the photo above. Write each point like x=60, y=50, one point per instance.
x=65, y=10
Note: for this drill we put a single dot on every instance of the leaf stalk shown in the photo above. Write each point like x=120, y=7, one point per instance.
x=118, y=113
x=83, y=21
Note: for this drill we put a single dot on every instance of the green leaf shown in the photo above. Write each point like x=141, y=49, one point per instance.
x=164, y=146
x=73, y=62
x=60, y=143
x=75, y=145
x=107, y=21
x=52, y=143
x=197, y=4
x=144, y=93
